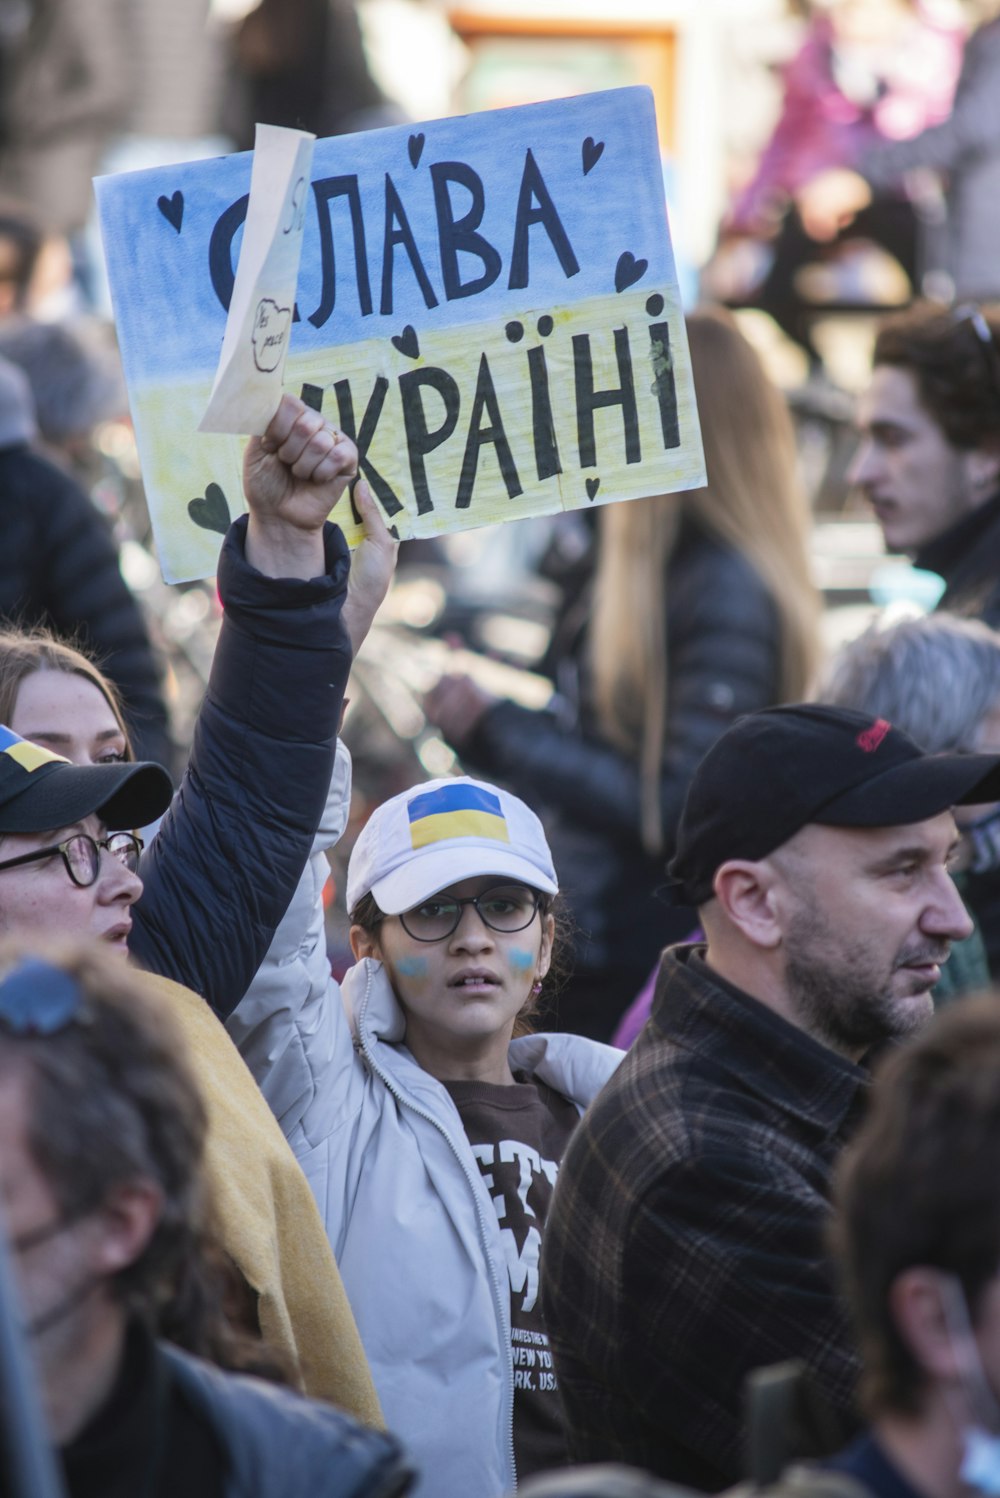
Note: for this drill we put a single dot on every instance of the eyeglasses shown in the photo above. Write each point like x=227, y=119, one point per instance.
x=81, y=854
x=38, y=998
x=505, y=907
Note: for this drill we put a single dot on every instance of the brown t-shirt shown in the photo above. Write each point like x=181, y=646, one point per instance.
x=518, y=1135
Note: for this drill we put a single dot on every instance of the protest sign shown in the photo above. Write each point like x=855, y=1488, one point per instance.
x=488, y=305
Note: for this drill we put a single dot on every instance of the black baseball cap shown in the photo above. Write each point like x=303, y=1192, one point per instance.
x=774, y=771
x=41, y=791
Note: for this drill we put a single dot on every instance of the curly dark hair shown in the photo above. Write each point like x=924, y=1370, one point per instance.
x=957, y=372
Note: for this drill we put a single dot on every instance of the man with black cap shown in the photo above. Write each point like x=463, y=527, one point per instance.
x=684, y=1246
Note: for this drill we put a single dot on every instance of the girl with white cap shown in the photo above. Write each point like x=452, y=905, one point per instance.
x=431, y=1123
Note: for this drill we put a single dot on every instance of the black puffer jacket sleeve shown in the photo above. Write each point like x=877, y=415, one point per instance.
x=723, y=660
x=229, y=852
x=59, y=567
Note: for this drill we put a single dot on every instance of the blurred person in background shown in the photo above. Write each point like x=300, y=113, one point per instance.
x=60, y=568
x=866, y=71
x=76, y=384
x=703, y=609
x=302, y=63
x=929, y=457
x=962, y=149
x=103, y=1134
x=65, y=91
x=937, y=678
x=929, y=464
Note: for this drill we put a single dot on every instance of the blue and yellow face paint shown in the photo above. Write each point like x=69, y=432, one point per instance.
x=456, y=811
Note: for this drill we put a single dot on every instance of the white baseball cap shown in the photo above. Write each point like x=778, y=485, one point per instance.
x=441, y=832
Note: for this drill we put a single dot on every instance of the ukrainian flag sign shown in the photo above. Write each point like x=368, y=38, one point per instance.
x=456, y=811
x=487, y=305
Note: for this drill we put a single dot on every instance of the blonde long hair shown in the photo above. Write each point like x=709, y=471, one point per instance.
x=752, y=501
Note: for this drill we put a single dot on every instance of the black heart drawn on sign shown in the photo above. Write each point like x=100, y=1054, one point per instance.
x=629, y=270
x=406, y=342
x=416, y=148
x=592, y=487
x=592, y=152
x=172, y=209
x=212, y=511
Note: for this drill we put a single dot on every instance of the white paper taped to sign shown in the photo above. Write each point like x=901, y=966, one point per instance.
x=248, y=381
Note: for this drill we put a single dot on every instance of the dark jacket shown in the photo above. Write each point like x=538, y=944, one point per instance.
x=684, y=1244
x=224, y=865
x=59, y=568
x=723, y=644
x=967, y=557
x=275, y=1442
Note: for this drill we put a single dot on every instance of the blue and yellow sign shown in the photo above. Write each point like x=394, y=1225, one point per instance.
x=487, y=305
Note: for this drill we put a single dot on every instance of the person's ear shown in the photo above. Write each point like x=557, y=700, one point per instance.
x=364, y=943
x=545, y=951
x=124, y=1225
x=982, y=464
x=745, y=891
x=920, y=1317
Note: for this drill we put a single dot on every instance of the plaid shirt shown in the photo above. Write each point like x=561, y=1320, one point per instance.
x=684, y=1246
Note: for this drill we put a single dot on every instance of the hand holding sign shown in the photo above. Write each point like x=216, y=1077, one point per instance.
x=292, y=478
x=372, y=567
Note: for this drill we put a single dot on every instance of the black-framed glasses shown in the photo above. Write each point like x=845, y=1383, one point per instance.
x=968, y=312
x=81, y=854
x=502, y=907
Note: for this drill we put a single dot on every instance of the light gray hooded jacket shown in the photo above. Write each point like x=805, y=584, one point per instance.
x=407, y=1209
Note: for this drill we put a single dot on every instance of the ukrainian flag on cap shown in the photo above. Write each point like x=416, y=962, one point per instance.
x=456, y=811
x=29, y=756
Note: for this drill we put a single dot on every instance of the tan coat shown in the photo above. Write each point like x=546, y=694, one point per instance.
x=267, y=1220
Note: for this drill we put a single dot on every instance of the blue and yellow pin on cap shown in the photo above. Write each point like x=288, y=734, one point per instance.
x=438, y=834
x=42, y=792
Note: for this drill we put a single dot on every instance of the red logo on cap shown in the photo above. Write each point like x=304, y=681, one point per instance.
x=870, y=739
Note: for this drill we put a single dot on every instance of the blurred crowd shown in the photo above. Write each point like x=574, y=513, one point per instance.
x=618, y=1118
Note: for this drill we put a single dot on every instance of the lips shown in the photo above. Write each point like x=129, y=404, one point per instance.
x=927, y=964
x=117, y=935
x=474, y=978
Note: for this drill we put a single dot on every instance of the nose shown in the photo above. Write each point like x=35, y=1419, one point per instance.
x=116, y=883
x=947, y=916
x=472, y=933
x=862, y=467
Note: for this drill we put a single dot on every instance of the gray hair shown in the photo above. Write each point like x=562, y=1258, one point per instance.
x=935, y=677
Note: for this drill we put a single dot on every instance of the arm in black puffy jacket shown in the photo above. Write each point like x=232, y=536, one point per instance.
x=723, y=652
x=229, y=852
